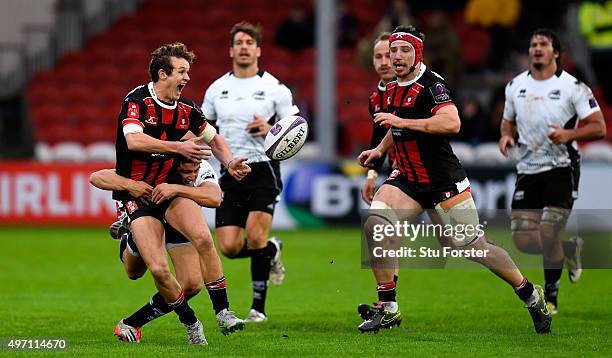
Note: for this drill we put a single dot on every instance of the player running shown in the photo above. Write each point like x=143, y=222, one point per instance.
x=541, y=114
x=422, y=115
x=244, y=104
x=199, y=184
x=153, y=118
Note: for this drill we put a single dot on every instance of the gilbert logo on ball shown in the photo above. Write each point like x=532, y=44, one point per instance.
x=286, y=138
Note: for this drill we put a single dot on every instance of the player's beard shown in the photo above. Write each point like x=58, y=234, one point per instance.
x=538, y=66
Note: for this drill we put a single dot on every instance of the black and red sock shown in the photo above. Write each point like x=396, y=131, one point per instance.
x=218, y=294
x=386, y=291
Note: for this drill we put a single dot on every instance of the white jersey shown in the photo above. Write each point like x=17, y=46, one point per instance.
x=231, y=103
x=206, y=174
x=533, y=105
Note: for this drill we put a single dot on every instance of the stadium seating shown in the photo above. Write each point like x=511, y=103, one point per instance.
x=598, y=151
x=69, y=152
x=103, y=152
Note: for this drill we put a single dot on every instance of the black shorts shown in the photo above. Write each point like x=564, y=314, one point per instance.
x=556, y=187
x=237, y=205
x=258, y=191
x=173, y=237
x=136, y=208
x=428, y=199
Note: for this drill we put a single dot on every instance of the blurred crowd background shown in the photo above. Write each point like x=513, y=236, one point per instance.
x=66, y=65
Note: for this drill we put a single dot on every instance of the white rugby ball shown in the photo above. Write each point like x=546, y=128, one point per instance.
x=286, y=138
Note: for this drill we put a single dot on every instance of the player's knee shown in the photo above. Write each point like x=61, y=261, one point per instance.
x=553, y=221
x=160, y=271
x=525, y=234
x=379, y=217
x=134, y=274
x=230, y=250
x=256, y=235
x=202, y=240
x=461, y=214
x=191, y=288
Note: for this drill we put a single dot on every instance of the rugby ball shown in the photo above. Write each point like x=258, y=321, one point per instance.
x=286, y=138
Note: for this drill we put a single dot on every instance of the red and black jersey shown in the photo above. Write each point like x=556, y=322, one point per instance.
x=160, y=120
x=427, y=160
x=378, y=103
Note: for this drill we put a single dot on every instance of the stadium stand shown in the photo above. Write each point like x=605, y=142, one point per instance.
x=94, y=79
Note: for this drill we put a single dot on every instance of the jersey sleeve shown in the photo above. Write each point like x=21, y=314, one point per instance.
x=283, y=102
x=583, y=100
x=437, y=95
x=133, y=115
x=509, y=111
x=197, y=121
x=206, y=174
x=208, y=105
x=200, y=126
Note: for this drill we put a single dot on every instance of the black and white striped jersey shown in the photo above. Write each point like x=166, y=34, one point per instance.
x=534, y=105
x=231, y=102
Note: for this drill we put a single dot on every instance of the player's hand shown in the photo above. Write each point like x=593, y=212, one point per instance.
x=388, y=119
x=368, y=156
x=559, y=135
x=258, y=127
x=504, y=142
x=238, y=169
x=140, y=190
x=163, y=192
x=194, y=152
x=368, y=190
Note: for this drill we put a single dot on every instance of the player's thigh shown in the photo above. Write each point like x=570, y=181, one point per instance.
x=186, y=263
x=405, y=207
x=187, y=218
x=257, y=228
x=148, y=235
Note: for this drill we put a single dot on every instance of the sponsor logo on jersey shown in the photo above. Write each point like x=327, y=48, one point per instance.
x=554, y=94
x=522, y=93
x=259, y=95
x=593, y=102
x=224, y=94
x=133, y=110
x=151, y=120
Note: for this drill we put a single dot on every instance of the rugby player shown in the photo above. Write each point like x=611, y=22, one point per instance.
x=542, y=110
x=199, y=184
x=244, y=104
x=422, y=115
x=153, y=119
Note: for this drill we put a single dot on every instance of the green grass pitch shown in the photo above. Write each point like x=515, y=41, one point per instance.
x=69, y=283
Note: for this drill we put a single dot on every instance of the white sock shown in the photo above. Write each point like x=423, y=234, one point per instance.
x=390, y=306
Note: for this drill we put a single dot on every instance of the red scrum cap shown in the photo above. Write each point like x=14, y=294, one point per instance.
x=406, y=38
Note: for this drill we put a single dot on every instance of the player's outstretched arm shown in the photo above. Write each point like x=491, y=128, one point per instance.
x=236, y=167
x=594, y=129
x=141, y=142
x=108, y=179
x=509, y=134
x=207, y=194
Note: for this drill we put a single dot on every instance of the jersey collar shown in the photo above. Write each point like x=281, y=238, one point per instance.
x=381, y=86
x=421, y=72
x=159, y=101
x=260, y=73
